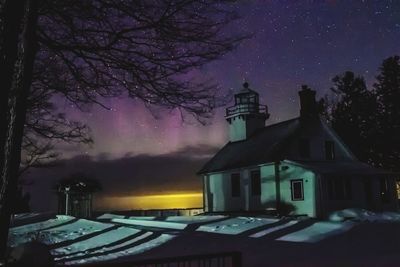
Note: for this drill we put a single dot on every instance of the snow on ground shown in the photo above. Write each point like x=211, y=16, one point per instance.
x=78, y=241
x=363, y=215
x=92, y=243
x=128, y=251
x=114, y=237
x=195, y=219
x=26, y=233
x=110, y=216
x=172, y=222
x=54, y=231
x=273, y=229
x=72, y=231
x=317, y=232
x=150, y=223
x=25, y=215
x=178, y=219
x=236, y=225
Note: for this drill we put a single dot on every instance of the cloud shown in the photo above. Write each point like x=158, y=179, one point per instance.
x=199, y=151
x=127, y=176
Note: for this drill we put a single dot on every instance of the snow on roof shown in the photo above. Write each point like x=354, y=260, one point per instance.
x=262, y=147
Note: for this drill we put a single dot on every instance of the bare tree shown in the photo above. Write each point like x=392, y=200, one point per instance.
x=85, y=49
x=16, y=59
x=45, y=127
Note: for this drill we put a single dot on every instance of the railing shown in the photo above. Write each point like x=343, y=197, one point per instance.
x=246, y=108
x=227, y=259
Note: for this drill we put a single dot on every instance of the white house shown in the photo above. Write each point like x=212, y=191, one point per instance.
x=299, y=163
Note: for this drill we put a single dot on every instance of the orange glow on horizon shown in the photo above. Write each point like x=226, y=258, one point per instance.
x=158, y=201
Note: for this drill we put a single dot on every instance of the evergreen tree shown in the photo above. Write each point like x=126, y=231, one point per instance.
x=352, y=115
x=387, y=90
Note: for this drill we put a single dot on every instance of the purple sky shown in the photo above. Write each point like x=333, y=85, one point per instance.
x=295, y=42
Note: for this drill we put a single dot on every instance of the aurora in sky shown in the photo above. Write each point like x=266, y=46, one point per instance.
x=137, y=153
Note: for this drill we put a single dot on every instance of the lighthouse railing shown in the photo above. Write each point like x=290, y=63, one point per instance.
x=246, y=108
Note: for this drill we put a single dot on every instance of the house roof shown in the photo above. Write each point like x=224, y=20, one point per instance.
x=246, y=90
x=263, y=146
x=341, y=167
x=268, y=144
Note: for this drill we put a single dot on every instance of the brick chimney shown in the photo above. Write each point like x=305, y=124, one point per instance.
x=308, y=105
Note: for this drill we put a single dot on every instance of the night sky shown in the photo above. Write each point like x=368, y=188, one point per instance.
x=294, y=43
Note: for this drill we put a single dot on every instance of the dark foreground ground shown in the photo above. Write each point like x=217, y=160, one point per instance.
x=365, y=243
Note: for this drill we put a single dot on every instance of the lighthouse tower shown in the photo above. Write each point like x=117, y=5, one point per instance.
x=246, y=116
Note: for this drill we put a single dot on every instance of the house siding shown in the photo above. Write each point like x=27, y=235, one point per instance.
x=309, y=150
x=219, y=198
x=288, y=173
x=318, y=132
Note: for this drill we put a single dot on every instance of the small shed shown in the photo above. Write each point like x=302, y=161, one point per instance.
x=75, y=196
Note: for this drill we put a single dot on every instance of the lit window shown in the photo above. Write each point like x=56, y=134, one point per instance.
x=329, y=150
x=255, y=183
x=297, y=189
x=235, y=184
x=398, y=189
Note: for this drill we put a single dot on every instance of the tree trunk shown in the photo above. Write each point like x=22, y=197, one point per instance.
x=16, y=113
x=10, y=20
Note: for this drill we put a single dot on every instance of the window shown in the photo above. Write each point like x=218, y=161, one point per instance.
x=339, y=189
x=398, y=189
x=242, y=99
x=385, y=193
x=329, y=150
x=304, y=148
x=297, y=189
x=238, y=100
x=253, y=99
x=255, y=183
x=235, y=184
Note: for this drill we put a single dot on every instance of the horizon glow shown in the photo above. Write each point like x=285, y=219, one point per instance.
x=147, y=202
